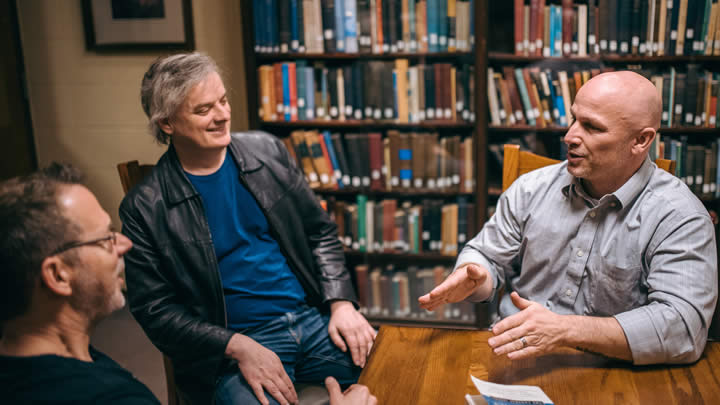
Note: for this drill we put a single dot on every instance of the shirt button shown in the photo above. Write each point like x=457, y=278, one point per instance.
x=568, y=292
x=580, y=253
x=592, y=214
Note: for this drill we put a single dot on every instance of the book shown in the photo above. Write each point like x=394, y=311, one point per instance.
x=492, y=393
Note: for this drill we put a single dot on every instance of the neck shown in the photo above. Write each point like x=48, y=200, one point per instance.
x=597, y=190
x=200, y=162
x=25, y=336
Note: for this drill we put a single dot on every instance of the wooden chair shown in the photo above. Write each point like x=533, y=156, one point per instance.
x=517, y=162
x=130, y=174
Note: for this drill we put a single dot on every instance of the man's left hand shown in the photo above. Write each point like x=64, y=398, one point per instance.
x=348, y=328
x=532, y=331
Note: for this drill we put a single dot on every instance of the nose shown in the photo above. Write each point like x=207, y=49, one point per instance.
x=572, y=136
x=124, y=244
x=222, y=112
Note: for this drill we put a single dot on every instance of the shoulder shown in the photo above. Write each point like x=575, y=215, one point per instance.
x=543, y=180
x=255, y=139
x=667, y=194
x=148, y=190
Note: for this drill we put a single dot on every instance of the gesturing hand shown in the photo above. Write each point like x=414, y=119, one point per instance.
x=458, y=286
x=532, y=331
x=262, y=370
x=348, y=325
x=355, y=395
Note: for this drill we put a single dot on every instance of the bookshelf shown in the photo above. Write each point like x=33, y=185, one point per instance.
x=431, y=265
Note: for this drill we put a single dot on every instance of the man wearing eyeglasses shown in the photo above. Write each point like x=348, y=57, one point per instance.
x=60, y=274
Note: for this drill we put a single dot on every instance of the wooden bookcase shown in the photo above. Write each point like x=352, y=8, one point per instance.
x=477, y=130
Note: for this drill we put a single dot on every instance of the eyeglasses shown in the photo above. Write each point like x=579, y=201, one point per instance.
x=99, y=241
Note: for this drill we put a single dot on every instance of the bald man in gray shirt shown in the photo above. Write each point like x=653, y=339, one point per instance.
x=604, y=252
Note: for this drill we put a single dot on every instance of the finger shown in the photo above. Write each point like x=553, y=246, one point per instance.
x=276, y=389
x=259, y=393
x=476, y=273
x=333, y=389
x=362, y=348
x=507, y=337
x=512, y=321
x=372, y=400
x=289, y=391
x=336, y=338
x=518, y=301
x=509, y=347
x=529, y=351
x=352, y=342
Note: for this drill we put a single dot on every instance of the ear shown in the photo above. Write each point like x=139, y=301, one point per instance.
x=166, y=126
x=643, y=140
x=56, y=275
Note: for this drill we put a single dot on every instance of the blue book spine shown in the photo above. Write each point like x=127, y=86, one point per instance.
x=273, y=26
x=350, y=25
x=294, y=30
x=443, y=25
x=309, y=93
x=561, y=107
x=339, y=25
x=524, y=96
x=551, y=31
x=432, y=25
x=300, y=83
x=333, y=159
x=558, y=30
x=286, y=91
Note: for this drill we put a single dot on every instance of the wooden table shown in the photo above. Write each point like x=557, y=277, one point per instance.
x=432, y=366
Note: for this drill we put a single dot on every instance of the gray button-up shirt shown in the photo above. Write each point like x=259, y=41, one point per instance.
x=645, y=254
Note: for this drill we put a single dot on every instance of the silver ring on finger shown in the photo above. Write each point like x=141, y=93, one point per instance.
x=524, y=342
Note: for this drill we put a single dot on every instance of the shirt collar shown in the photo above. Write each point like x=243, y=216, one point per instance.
x=624, y=195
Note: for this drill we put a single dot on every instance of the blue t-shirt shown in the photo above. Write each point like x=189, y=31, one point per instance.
x=257, y=281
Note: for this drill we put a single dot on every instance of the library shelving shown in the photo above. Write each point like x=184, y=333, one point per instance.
x=390, y=144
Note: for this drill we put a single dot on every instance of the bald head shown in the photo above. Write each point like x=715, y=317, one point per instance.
x=633, y=98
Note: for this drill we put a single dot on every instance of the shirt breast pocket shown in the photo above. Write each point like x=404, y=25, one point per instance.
x=615, y=281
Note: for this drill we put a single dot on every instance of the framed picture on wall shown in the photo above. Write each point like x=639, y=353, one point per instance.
x=138, y=24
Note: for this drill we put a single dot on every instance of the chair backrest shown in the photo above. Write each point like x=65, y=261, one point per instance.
x=517, y=162
x=131, y=173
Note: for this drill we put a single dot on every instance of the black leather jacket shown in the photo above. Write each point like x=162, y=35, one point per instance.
x=173, y=281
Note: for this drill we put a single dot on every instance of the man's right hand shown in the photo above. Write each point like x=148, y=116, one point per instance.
x=459, y=285
x=262, y=370
x=355, y=395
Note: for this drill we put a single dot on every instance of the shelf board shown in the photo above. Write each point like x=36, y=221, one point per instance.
x=435, y=124
x=409, y=193
x=562, y=130
x=392, y=256
x=276, y=57
x=509, y=57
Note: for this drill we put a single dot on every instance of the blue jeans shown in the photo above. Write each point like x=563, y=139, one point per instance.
x=302, y=343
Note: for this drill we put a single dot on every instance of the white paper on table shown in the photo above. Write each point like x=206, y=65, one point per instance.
x=522, y=393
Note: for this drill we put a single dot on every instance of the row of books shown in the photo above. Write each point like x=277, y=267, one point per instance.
x=389, y=226
x=294, y=91
x=689, y=97
x=363, y=26
x=533, y=96
x=391, y=292
x=397, y=162
x=696, y=165
x=543, y=97
x=637, y=27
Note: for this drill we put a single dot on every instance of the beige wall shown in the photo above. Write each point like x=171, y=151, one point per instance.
x=85, y=106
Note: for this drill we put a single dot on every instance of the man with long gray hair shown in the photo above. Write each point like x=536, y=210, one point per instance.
x=237, y=273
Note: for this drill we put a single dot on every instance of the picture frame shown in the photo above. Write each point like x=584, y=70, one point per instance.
x=116, y=25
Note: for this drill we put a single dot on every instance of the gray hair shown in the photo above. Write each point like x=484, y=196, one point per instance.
x=167, y=83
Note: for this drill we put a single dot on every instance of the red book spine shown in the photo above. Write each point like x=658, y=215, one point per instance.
x=292, y=80
x=518, y=27
x=567, y=26
x=376, y=160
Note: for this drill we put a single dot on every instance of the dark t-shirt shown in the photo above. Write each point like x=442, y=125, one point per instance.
x=61, y=380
